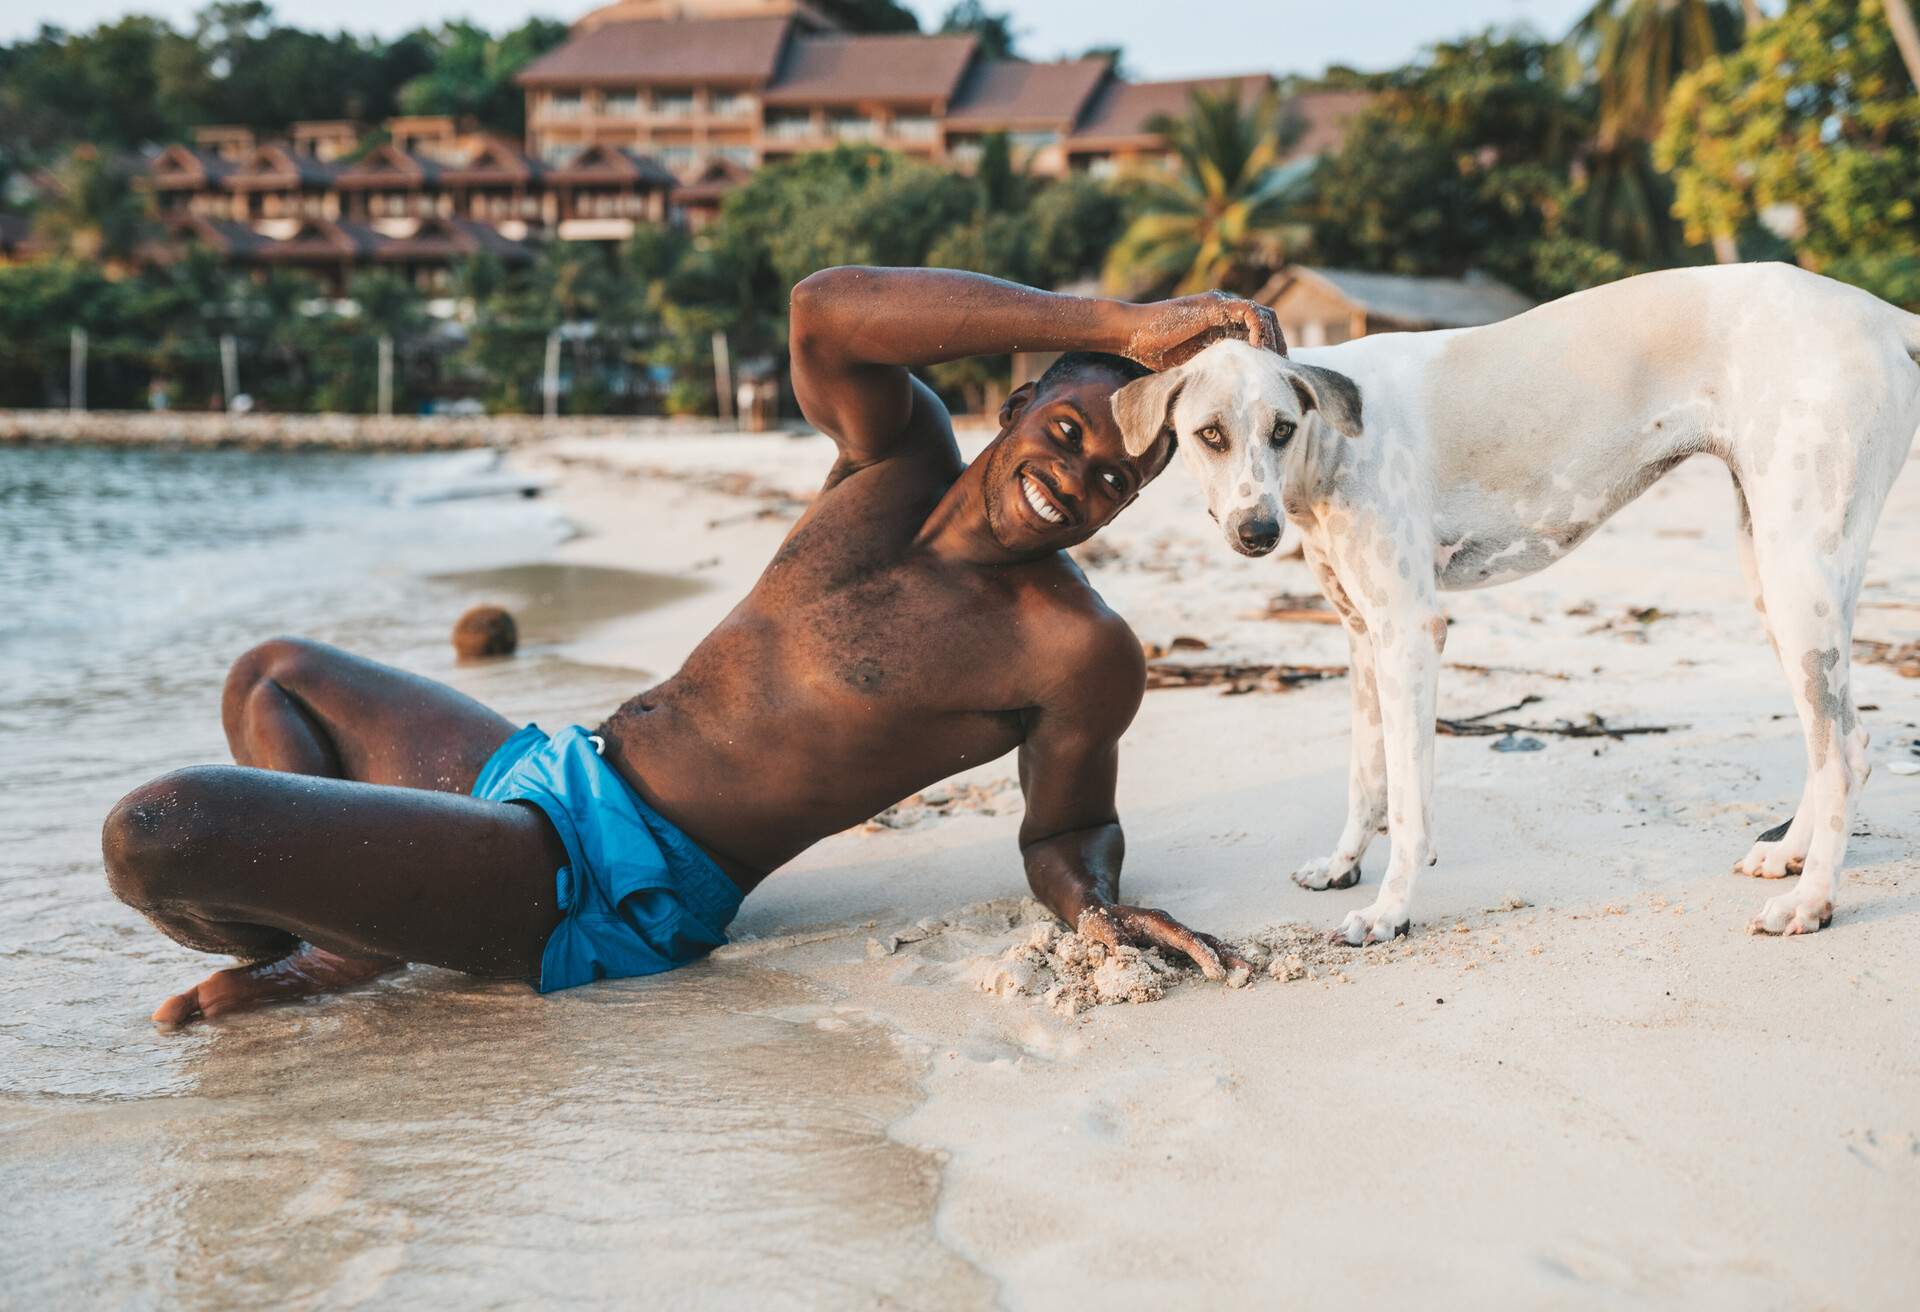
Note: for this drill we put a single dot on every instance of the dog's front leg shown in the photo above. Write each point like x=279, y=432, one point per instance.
x=1366, y=768
x=1408, y=631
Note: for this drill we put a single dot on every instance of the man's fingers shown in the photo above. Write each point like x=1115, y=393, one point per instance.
x=1167, y=932
x=1239, y=969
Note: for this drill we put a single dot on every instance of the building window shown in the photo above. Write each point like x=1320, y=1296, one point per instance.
x=674, y=104
x=742, y=155
x=915, y=127
x=622, y=104
x=732, y=104
x=565, y=104
x=853, y=127
x=676, y=157
x=789, y=126
x=1032, y=141
x=964, y=151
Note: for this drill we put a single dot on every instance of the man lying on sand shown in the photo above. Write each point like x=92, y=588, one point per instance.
x=922, y=617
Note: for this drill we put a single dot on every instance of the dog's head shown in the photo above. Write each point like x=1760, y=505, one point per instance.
x=1250, y=424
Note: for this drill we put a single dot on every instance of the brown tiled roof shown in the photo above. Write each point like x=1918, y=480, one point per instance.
x=1119, y=117
x=845, y=68
x=442, y=239
x=323, y=239
x=383, y=165
x=1006, y=92
x=493, y=161
x=743, y=51
x=601, y=163
x=271, y=166
x=179, y=167
x=717, y=178
x=1410, y=301
x=1325, y=116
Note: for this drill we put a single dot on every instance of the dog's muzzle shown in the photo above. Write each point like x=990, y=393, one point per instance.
x=1253, y=532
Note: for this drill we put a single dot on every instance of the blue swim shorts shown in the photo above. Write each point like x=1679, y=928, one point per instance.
x=637, y=895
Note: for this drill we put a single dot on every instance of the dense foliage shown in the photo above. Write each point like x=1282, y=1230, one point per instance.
x=1812, y=129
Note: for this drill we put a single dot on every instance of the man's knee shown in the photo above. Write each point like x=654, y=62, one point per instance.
x=162, y=832
x=282, y=660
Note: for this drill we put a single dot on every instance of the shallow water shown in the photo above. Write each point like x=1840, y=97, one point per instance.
x=720, y=1132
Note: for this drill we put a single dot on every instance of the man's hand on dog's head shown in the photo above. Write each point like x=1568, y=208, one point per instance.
x=1173, y=332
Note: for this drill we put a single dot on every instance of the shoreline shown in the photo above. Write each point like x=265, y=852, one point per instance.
x=189, y=430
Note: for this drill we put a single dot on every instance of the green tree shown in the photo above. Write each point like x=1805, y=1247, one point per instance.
x=1464, y=161
x=90, y=211
x=992, y=29
x=1630, y=53
x=1812, y=127
x=472, y=73
x=869, y=15
x=1222, y=213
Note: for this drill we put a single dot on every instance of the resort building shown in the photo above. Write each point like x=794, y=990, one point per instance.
x=651, y=112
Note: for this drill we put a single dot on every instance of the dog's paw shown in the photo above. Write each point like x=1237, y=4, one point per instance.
x=1770, y=859
x=1328, y=872
x=1786, y=914
x=1372, y=924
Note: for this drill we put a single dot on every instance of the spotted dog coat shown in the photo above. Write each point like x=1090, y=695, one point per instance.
x=1418, y=462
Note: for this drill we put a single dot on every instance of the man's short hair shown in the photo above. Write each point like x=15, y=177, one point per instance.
x=1075, y=364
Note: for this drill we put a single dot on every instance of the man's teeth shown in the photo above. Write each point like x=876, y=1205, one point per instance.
x=1039, y=502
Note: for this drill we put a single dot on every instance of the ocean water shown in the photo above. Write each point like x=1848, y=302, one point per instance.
x=717, y=1133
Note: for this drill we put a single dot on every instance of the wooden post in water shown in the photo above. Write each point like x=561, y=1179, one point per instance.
x=722, y=374
x=550, y=380
x=386, y=376
x=77, y=371
x=229, y=370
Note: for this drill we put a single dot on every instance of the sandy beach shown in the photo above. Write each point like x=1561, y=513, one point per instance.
x=1579, y=1083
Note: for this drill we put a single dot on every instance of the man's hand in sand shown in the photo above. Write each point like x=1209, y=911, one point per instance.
x=1172, y=332
x=1141, y=927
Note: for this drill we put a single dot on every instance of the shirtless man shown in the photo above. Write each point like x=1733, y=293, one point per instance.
x=922, y=617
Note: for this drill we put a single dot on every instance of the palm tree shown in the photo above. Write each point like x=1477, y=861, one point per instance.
x=1906, y=36
x=1220, y=214
x=1632, y=52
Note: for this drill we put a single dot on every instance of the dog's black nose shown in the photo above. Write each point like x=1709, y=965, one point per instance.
x=1256, y=533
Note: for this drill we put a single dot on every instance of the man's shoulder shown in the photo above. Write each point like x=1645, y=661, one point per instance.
x=1080, y=636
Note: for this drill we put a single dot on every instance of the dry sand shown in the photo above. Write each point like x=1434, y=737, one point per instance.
x=1579, y=1083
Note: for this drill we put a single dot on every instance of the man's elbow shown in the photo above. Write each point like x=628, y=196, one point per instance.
x=816, y=298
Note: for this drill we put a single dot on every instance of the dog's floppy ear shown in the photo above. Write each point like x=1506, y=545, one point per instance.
x=1144, y=409
x=1334, y=395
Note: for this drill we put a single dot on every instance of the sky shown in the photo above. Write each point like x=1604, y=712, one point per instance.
x=1163, y=38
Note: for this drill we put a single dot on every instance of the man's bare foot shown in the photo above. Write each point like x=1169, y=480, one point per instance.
x=306, y=970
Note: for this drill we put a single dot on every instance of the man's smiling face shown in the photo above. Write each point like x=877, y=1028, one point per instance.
x=1059, y=471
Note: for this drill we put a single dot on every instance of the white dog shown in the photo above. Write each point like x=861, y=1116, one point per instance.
x=1416, y=462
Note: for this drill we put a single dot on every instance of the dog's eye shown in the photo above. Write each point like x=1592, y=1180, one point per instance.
x=1283, y=430
x=1115, y=484
x=1069, y=432
x=1213, y=437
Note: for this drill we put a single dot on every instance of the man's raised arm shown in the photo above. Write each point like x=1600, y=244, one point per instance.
x=855, y=332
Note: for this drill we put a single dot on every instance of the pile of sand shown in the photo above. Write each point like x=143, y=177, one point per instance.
x=1070, y=973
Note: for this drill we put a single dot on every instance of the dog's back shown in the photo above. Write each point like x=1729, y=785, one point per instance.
x=1535, y=430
